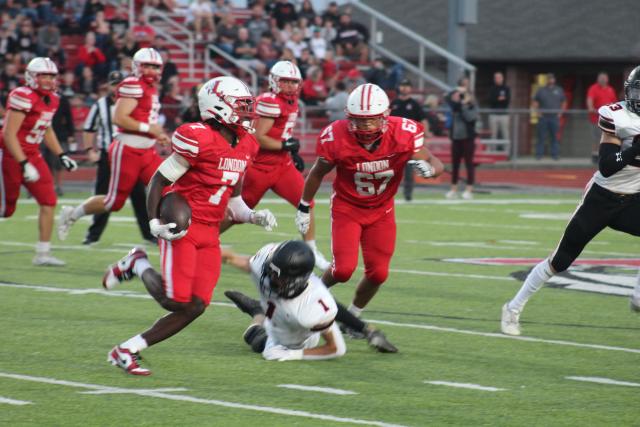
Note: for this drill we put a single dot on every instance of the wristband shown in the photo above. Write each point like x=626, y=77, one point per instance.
x=144, y=127
x=303, y=206
x=24, y=162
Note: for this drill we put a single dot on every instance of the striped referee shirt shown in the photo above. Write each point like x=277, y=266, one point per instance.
x=99, y=120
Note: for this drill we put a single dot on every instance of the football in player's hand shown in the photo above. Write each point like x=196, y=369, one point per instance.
x=175, y=208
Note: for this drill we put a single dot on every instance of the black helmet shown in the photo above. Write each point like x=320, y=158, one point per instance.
x=632, y=91
x=289, y=267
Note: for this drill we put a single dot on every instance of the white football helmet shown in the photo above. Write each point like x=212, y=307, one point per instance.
x=38, y=66
x=146, y=55
x=227, y=100
x=284, y=70
x=366, y=102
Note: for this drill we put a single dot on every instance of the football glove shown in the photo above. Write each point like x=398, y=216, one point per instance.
x=303, y=218
x=29, y=172
x=422, y=168
x=291, y=144
x=68, y=163
x=264, y=218
x=282, y=354
x=298, y=162
x=163, y=231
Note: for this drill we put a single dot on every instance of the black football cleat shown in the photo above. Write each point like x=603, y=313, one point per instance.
x=378, y=340
x=248, y=305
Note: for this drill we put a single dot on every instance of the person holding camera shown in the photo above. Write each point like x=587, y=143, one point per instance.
x=464, y=113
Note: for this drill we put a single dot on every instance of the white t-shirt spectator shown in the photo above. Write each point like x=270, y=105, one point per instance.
x=296, y=48
x=318, y=47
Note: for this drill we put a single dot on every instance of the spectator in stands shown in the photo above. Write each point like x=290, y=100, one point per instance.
x=169, y=69
x=88, y=85
x=305, y=29
x=192, y=113
x=387, y=77
x=143, y=33
x=600, y=93
x=67, y=85
x=257, y=25
x=284, y=35
x=287, y=55
x=463, y=135
x=318, y=44
x=267, y=52
x=227, y=33
x=219, y=9
x=171, y=104
x=90, y=56
x=201, y=15
x=435, y=118
x=499, y=99
x=102, y=30
x=64, y=129
x=329, y=32
x=405, y=106
x=91, y=8
x=354, y=79
x=314, y=89
x=305, y=62
x=296, y=44
x=549, y=97
x=26, y=41
x=329, y=67
x=48, y=39
x=284, y=12
x=29, y=10
x=8, y=43
x=8, y=81
x=306, y=11
x=130, y=46
x=332, y=14
x=245, y=51
x=351, y=39
x=336, y=102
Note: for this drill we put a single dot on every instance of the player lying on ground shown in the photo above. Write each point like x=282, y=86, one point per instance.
x=369, y=151
x=611, y=199
x=295, y=308
x=206, y=167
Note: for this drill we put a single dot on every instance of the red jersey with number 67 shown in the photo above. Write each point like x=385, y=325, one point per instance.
x=216, y=168
x=284, y=113
x=38, y=116
x=369, y=179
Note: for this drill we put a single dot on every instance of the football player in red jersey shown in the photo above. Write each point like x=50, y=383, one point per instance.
x=207, y=166
x=132, y=155
x=369, y=150
x=278, y=166
x=30, y=110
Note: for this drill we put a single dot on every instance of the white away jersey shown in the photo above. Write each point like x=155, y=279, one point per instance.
x=618, y=120
x=289, y=322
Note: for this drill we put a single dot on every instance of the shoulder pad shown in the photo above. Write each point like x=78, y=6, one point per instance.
x=130, y=88
x=184, y=140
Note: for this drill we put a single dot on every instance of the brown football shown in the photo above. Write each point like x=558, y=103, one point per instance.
x=175, y=208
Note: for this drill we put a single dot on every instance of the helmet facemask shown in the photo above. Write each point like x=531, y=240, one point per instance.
x=286, y=286
x=368, y=129
x=632, y=96
x=286, y=89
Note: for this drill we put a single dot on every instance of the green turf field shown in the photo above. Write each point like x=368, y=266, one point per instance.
x=58, y=325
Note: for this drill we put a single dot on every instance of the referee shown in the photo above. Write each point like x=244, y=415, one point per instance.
x=97, y=135
x=405, y=106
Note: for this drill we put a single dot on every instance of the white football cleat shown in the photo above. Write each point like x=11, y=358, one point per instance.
x=126, y=360
x=510, y=322
x=123, y=269
x=46, y=259
x=451, y=195
x=321, y=261
x=634, y=303
x=65, y=222
x=467, y=195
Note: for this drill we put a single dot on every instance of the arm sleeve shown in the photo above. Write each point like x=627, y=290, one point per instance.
x=341, y=347
x=612, y=159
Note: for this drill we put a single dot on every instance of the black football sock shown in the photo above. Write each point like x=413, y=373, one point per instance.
x=345, y=317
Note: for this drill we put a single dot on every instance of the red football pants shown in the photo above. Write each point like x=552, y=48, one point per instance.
x=284, y=179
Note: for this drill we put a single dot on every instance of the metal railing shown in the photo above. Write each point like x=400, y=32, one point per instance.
x=210, y=64
x=188, y=47
x=423, y=46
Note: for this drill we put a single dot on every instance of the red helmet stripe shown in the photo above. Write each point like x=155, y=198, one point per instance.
x=362, y=98
x=370, y=87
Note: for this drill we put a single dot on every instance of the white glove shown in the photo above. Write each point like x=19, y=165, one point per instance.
x=163, y=231
x=68, y=163
x=282, y=354
x=264, y=218
x=303, y=219
x=29, y=172
x=423, y=168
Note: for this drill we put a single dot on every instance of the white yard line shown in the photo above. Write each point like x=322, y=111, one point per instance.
x=328, y=390
x=465, y=385
x=14, y=401
x=136, y=391
x=509, y=337
x=600, y=380
x=442, y=274
x=184, y=398
x=83, y=248
x=129, y=294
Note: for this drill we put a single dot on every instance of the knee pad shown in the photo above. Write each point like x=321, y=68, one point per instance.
x=377, y=276
x=341, y=274
x=256, y=337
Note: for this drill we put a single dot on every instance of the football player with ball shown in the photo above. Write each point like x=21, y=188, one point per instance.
x=206, y=168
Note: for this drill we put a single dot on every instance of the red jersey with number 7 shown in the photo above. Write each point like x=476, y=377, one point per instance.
x=38, y=116
x=215, y=168
x=284, y=114
x=366, y=178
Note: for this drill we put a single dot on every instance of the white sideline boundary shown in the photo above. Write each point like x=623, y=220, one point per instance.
x=601, y=380
x=185, y=398
x=465, y=385
x=14, y=401
x=327, y=390
x=130, y=294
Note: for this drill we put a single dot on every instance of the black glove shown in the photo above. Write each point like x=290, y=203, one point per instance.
x=298, y=162
x=68, y=163
x=292, y=145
